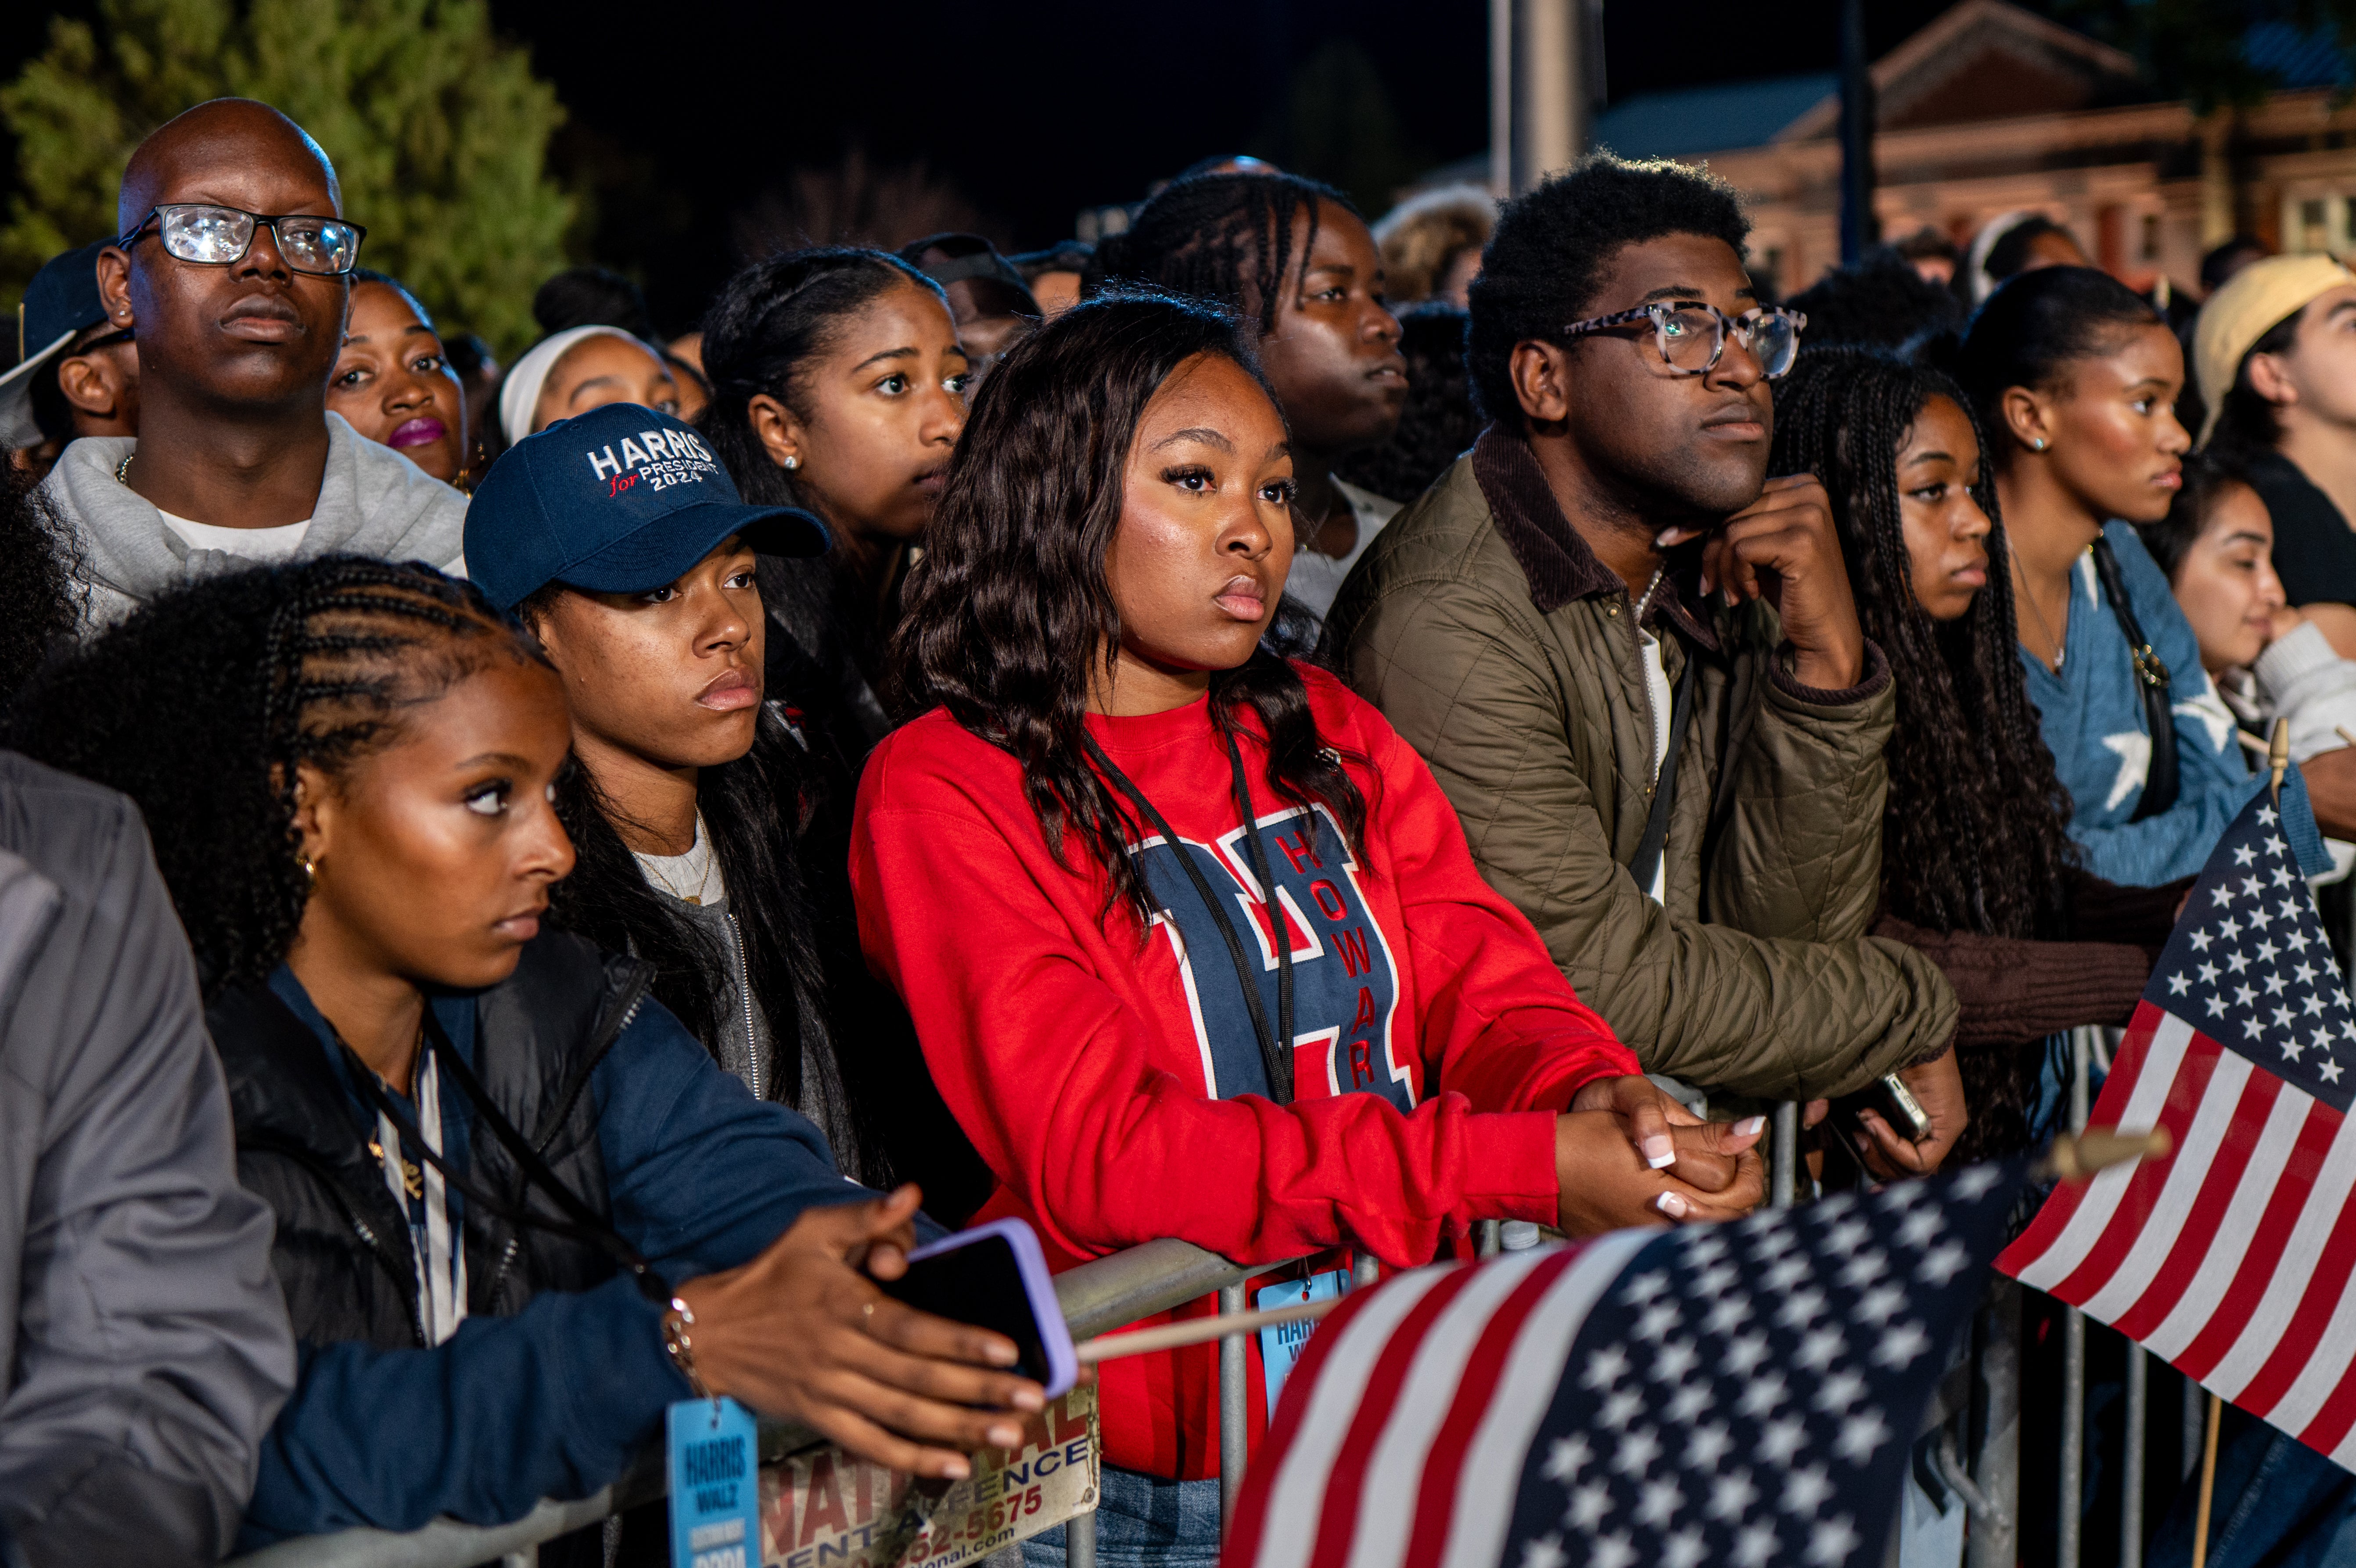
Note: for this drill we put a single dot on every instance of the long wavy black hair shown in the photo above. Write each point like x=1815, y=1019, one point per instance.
x=200, y=705
x=1010, y=615
x=1973, y=833
x=38, y=601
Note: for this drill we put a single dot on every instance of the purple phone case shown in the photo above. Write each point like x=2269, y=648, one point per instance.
x=1038, y=1284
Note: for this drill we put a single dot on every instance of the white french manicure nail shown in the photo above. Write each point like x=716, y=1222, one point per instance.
x=1749, y=1125
x=1659, y=1151
x=1672, y=1205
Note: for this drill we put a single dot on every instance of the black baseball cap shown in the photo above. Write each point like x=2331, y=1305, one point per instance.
x=59, y=303
x=621, y=499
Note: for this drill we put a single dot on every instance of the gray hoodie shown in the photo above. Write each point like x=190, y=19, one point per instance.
x=372, y=501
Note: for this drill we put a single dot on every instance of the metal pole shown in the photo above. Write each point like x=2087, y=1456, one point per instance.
x=1080, y=1540
x=2073, y=1350
x=1857, y=228
x=1501, y=98
x=1996, y=1463
x=2131, y=1469
x=1783, y=1178
x=1235, y=1409
x=1488, y=1237
x=1550, y=103
x=2196, y=1418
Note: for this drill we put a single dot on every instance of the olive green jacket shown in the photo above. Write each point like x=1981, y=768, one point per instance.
x=1494, y=640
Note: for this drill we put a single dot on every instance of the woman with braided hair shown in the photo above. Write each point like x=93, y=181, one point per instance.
x=1977, y=869
x=520, y=1210
x=1297, y=265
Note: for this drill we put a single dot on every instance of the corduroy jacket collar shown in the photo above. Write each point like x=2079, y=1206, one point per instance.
x=1557, y=562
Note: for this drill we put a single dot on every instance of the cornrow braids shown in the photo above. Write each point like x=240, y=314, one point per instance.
x=1223, y=238
x=203, y=703
x=1972, y=831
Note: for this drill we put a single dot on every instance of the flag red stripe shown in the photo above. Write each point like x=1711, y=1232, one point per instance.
x=1284, y=1427
x=1337, y=1523
x=2053, y=1216
x=2209, y=1201
x=1436, y=1497
x=2140, y=1201
x=2297, y=1344
x=2240, y=1297
x=2331, y=1424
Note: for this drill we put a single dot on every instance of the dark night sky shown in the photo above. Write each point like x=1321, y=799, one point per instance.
x=687, y=111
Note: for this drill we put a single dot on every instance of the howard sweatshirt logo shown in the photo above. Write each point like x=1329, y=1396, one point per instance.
x=1344, y=983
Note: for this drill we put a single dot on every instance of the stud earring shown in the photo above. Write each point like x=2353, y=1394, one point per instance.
x=2037, y=445
x=310, y=872
x=791, y=463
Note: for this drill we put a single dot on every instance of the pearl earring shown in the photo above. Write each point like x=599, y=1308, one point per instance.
x=2037, y=445
x=791, y=464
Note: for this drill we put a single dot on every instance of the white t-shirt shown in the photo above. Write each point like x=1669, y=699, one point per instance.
x=1664, y=700
x=1315, y=578
x=692, y=878
x=268, y=544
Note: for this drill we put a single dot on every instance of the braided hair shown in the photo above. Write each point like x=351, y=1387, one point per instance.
x=1225, y=238
x=1965, y=843
x=1010, y=614
x=201, y=705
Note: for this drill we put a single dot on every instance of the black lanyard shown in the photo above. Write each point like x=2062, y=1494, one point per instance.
x=1275, y=1045
x=585, y=1225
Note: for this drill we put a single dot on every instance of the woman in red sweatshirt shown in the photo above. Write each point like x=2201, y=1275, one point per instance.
x=1326, y=1032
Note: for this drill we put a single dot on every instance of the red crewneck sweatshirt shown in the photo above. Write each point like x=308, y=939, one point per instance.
x=1110, y=1074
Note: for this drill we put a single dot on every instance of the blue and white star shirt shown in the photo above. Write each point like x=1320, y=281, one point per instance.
x=2092, y=713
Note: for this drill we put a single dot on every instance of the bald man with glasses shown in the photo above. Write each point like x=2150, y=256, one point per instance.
x=232, y=272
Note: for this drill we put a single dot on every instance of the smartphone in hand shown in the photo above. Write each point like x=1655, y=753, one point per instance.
x=994, y=1277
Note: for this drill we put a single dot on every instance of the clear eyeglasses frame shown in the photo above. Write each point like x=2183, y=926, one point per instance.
x=1691, y=335
x=209, y=236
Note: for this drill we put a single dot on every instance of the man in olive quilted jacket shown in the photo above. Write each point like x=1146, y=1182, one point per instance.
x=1608, y=577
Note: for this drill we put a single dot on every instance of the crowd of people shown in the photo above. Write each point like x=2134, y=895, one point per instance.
x=526, y=889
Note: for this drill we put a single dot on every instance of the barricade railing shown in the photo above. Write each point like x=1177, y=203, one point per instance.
x=1095, y=1296
x=1980, y=1395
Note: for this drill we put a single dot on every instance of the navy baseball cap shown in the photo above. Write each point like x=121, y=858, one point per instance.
x=622, y=499
x=59, y=303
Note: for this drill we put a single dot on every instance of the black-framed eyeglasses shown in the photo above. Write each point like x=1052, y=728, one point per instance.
x=212, y=236
x=1692, y=335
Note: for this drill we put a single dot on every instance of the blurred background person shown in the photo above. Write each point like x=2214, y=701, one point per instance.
x=477, y=367
x=77, y=372
x=1055, y=275
x=392, y=383
x=989, y=300
x=1932, y=255
x=2016, y=242
x=1431, y=242
x=2275, y=349
x=1879, y=301
x=1438, y=424
x=581, y=368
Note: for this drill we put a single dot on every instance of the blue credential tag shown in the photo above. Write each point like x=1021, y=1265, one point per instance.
x=715, y=1486
x=1281, y=1344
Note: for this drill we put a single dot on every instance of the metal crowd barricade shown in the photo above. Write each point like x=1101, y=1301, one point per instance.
x=1109, y=1292
x=1095, y=1297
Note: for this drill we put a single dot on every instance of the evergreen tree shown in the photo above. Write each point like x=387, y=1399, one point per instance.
x=439, y=133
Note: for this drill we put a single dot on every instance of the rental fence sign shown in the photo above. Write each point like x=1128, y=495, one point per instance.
x=822, y=1508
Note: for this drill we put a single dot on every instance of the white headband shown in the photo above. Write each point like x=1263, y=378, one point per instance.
x=519, y=393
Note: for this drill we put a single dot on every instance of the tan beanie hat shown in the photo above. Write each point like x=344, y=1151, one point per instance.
x=2245, y=308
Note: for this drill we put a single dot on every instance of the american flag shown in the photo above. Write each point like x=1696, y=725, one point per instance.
x=1741, y=1395
x=2230, y=1260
